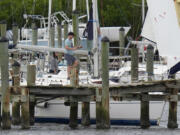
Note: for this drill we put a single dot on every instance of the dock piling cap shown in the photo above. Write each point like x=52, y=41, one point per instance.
x=16, y=64
x=14, y=24
x=105, y=39
x=3, y=39
x=121, y=29
x=150, y=46
x=3, y=22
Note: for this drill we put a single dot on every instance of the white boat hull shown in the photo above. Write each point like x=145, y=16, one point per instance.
x=125, y=112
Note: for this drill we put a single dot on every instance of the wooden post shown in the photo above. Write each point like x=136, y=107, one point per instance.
x=16, y=105
x=15, y=33
x=3, y=28
x=105, y=116
x=121, y=41
x=5, y=92
x=74, y=80
x=145, y=121
x=59, y=30
x=134, y=63
x=31, y=79
x=52, y=36
x=98, y=107
x=34, y=34
x=144, y=118
x=150, y=62
x=25, y=110
x=65, y=30
x=32, y=103
x=2, y=35
x=31, y=75
x=75, y=27
x=173, y=103
x=85, y=114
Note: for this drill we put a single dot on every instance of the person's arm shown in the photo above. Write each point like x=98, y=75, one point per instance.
x=69, y=48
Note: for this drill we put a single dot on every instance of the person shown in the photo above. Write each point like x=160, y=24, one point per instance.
x=54, y=63
x=69, y=52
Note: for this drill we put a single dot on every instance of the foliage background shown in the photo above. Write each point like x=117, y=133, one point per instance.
x=111, y=12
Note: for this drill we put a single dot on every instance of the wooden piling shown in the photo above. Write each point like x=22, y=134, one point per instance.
x=105, y=116
x=52, y=36
x=76, y=28
x=98, y=108
x=85, y=114
x=3, y=28
x=59, y=31
x=121, y=41
x=74, y=81
x=150, y=62
x=16, y=105
x=15, y=33
x=145, y=121
x=5, y=92
x=144, y=118
x=25, y=122
x=173, y=104
x=31, y=79
x=32, y=103
x=34, y=34
x=31, y=75
x=134, y=63
x=65, y=30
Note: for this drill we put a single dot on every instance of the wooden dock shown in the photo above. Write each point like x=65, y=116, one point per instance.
x=24, y=98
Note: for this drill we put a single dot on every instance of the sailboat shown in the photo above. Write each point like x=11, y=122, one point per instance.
x=55, y=111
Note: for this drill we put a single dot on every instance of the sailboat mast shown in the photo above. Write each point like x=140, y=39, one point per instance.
x=49, y=20
x=143, y=11
x=87, y=8
x=95, y=39
x=74, y=5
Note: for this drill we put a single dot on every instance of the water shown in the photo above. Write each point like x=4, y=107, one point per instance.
x=56, y=129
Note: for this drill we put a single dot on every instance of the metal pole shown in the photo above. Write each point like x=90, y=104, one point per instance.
x=74, y=5
x=59, y=30
x=95, y=40
x=49, y=21
x=87, y=8
x=143, y=11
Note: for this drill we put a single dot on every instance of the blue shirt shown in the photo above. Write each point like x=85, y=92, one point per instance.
x=69, y=43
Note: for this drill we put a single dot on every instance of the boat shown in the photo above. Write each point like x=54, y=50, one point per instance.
x=122, y=112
